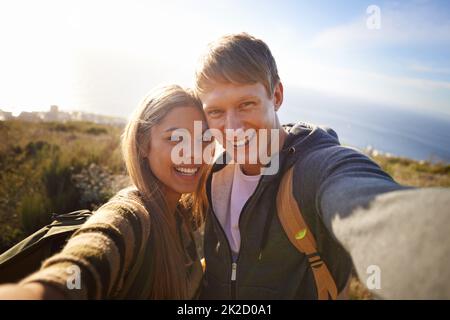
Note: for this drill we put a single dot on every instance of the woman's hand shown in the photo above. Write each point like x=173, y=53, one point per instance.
x=29, y=291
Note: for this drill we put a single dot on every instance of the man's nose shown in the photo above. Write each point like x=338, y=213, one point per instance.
x=233, y=121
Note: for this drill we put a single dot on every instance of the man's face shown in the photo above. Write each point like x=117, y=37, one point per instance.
x=242, y=107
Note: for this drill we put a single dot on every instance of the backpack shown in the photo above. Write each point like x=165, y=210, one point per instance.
x=26, y=256
x=302, y=238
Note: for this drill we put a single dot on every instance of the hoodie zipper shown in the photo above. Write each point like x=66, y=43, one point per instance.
x=233, y=280
x=234, y=265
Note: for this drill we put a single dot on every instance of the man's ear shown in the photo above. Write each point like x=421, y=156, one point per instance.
x=278, y=96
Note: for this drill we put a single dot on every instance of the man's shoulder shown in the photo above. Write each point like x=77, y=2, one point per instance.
x=320, y=154
x=305, y=136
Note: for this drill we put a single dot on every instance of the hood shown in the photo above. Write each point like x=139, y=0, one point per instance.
x=302, y=138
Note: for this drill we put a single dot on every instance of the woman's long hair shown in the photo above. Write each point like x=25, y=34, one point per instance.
x=170, y=279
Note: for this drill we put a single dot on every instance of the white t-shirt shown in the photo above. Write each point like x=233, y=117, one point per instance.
x=243, y=187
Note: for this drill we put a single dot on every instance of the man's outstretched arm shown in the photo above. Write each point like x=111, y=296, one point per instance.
x=400, y=233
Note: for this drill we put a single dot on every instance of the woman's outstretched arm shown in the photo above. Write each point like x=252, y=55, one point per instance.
x=95, y=260
x=30, y=291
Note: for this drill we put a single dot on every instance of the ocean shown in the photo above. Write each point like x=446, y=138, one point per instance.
x=418, y=135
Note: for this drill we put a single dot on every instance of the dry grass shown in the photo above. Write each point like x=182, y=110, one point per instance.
x=38, y=160
x=38, y=163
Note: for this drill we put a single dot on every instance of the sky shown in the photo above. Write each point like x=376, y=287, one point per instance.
x=104, y=56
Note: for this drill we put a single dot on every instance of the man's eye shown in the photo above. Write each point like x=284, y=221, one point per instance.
x=247, y=104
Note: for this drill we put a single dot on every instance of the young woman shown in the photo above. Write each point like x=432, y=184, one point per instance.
x=140, y=244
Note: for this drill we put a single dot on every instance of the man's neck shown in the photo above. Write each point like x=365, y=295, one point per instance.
x=251, y=169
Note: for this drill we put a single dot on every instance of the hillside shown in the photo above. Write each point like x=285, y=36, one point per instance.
x=59, y=167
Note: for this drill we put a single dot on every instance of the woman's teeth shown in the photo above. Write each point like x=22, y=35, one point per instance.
x=187, y=171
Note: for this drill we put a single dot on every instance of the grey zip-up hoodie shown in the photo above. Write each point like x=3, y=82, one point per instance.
x=396, y=236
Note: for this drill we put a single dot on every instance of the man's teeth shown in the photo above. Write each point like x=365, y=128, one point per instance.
x=242, y=142
x=187, y=171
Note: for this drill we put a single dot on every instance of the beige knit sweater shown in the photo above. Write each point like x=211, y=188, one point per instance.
x=104, y=250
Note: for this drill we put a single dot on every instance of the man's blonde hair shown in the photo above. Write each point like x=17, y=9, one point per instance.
x=239, y=59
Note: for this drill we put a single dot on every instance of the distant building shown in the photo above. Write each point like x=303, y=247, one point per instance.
x=64, y=117
x=29, y=116
x=52, y=115
x=55, y=115
x=54, y=109
x=77, y=115
x=5, y=115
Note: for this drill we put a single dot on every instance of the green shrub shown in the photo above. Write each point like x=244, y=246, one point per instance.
x=62, y=127
x=60, y=190
x=34, y=212
x=9, y=236
x=96, y=131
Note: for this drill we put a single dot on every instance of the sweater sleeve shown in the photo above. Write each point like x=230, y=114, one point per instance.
x=96, y=259
x=396, y=233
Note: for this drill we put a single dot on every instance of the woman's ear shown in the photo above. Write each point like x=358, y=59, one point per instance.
x=278, y=96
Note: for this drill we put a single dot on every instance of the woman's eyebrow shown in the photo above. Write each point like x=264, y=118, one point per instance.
x=175, y=128
x=171, y=129
x=210, y=107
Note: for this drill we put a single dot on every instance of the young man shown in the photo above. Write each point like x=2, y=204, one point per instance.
x=356, y=213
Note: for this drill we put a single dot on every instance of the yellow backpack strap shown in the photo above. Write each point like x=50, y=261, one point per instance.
x=301, y=237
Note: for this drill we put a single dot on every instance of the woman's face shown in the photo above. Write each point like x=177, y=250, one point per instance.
x=184, y=177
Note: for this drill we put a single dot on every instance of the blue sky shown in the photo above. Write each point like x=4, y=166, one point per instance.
x=103, y=56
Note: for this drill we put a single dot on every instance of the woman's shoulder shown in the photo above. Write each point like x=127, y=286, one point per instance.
x=129, y=198
x=127, y=202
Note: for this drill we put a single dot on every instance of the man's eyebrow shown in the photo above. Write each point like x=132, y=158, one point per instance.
x=250, y=97
x=240, y=100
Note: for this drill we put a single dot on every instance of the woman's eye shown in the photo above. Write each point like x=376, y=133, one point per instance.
x=175, y=138
x=214, y=113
